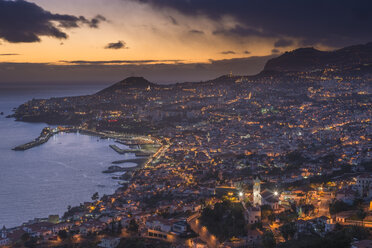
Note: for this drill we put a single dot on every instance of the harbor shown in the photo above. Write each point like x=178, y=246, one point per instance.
x=137, y=152
x=144, y=148
x=135, y=160
x=125, y=139
x=45, y=135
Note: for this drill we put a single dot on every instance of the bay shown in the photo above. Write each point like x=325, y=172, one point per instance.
x=66, y=170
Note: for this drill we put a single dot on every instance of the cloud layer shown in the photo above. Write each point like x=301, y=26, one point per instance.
x=22, y=21
x=329, y=22
x=8, y=54
x=113, y=71
x=283, y=43
x=116, y=45
x=227, y=52
x=107, y=62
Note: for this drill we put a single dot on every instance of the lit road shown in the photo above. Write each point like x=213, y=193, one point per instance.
x=202, y=231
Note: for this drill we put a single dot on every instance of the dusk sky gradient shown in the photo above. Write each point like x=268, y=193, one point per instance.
x=166, y=40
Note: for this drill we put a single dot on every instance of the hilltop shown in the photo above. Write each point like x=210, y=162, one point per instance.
x=352, y=61
x=126, y=84
x=305, y=59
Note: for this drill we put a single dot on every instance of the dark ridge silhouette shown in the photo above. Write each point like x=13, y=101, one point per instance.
x=353, y=60
x=305, y=59
x=128, y=83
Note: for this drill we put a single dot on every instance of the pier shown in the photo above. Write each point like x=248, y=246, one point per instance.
x=137, y=152
x=140, y=163
x=139, y=143
x=45, y=135
x=135, y=160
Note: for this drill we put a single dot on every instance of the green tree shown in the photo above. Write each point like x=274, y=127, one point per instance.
x=225, y=220
x=308, y=208
x=131, y=243
x=268, y=240
x=338, y=206
x=357, y=232
x=266, y=211
x=120, y=227
x=361, y=214
x=288, y=230
x=25, y=237
x=288, y=216
x=113, y=224
x=31, y=242
x=62, y=234
x=95, y=196
x=133, y=226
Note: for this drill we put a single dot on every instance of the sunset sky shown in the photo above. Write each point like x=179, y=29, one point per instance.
x=166, y=40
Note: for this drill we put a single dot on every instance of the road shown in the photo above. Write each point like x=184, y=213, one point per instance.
x=202, y=231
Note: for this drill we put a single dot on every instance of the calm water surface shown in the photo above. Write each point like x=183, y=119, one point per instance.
x=46, y=179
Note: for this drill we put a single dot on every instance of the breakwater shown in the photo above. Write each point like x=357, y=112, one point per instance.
x=137, y=152
x=45, y=135
x=135, y=160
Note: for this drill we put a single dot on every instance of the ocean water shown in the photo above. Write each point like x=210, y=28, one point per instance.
x=66, y=170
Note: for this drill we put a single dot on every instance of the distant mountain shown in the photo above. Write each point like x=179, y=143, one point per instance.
x=128, y=83
x=350, y=60
x=305, y=59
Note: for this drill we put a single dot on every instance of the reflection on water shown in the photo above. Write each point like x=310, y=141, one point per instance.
x=46, y=179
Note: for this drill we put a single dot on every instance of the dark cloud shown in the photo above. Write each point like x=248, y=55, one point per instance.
x=159, y=72
x=8, y=54
x=173, y=20
x=275, y=51
x=242, y=31
x=283, y=43
x=227, y=52
x=195, y=31
x=117, y=45
x=330, y=22
x=94, y=23
x=22, y=21
x=247, y=52
x=105, y=62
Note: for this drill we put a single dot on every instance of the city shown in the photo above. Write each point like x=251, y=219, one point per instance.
x=273, y=152
x=279, y=158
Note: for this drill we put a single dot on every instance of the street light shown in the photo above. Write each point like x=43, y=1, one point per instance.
x=241, y=194
x=276, y=193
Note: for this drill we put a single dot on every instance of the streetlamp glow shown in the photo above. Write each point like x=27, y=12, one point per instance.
x=241, y=194
x=276, y=193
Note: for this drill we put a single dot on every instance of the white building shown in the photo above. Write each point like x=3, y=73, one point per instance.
x=254, y=215
x=257, y=192
x=265, y=197
x=4, y=240
x=109, y=243
x=364, y=185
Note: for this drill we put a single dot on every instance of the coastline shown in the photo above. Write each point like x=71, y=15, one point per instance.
x=128, y=172
x=125, y=139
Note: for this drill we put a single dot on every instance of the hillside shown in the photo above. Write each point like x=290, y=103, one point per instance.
x=305, y=59
x=128, y=83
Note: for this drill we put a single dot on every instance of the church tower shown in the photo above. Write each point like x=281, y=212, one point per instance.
x=3, y=233
x=256, y=192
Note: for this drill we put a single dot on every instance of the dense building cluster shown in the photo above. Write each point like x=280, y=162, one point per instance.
x=294, y=149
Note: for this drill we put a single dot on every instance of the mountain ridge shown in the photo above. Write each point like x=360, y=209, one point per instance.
x=302, y=59
x=309, y=58
x=130, y=82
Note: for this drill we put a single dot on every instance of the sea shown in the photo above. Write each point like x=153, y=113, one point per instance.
x=45, y=180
